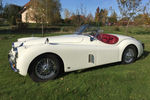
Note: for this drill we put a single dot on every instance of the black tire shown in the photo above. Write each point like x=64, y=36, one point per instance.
x=45, y=67
x=129, y=55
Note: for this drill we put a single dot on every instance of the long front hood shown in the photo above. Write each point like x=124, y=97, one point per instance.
x=54, y=39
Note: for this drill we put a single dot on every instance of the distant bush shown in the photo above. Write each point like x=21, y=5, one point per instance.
x=68, y=29
x=14, y=28
x=13, y=20
x=117, y=28
x=22, y=26
x=19, y=27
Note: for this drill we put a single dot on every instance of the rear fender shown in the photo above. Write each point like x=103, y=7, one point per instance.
x=122, y=45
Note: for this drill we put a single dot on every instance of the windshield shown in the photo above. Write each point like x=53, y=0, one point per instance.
x=81, y=29
x=87, y=30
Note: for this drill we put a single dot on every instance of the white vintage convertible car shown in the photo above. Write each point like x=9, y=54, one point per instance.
x=45, y=57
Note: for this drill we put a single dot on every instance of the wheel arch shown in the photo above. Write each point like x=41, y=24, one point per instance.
x=48, y=53
x=124, y=44
x=136, y=49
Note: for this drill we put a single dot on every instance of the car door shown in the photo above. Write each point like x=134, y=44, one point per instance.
x=107, y=53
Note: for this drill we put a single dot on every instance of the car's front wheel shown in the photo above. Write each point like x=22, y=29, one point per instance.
x=129, y=55
x=45, y=67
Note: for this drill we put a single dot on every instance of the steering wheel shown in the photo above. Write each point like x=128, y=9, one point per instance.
x=93, y=33
x=96, y=35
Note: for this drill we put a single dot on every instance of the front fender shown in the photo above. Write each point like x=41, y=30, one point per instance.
x=29, y=54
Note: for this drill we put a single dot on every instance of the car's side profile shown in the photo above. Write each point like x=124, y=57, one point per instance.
x=44, y=58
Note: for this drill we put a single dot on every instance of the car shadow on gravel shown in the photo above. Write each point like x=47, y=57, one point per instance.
x=145, y=54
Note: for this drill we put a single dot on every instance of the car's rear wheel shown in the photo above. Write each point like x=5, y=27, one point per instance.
x=129, y=55
x=45, y=67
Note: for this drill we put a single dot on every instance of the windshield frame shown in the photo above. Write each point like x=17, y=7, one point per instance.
x=92, y=33
x=81, y=29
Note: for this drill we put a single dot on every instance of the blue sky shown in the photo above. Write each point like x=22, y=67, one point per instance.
x=72, y=5
x=90, y=5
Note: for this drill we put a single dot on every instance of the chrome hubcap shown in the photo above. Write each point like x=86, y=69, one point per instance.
x=45, y=68
x=129, y=56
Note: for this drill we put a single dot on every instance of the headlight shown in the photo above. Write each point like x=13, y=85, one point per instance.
x=15, y=49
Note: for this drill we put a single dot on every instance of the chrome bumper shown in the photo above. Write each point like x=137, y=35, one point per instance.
x=12, y=62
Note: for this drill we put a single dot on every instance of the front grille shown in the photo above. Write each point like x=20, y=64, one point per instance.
x=12, y=62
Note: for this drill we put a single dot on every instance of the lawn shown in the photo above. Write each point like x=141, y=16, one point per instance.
x=107, y=82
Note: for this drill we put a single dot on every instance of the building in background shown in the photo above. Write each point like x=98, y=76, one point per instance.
x=26, y=13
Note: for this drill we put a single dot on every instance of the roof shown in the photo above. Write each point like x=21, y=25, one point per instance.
x=26, y=6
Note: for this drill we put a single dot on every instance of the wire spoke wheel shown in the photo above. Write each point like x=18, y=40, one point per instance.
x=44, y=67
x=129, y=55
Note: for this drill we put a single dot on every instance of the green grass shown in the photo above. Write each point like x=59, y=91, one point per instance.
x=130, y=29
x=108, y=82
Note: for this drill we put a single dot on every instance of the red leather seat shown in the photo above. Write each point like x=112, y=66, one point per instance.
x=108, y=38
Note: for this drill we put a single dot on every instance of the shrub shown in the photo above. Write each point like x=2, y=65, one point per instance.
x=22, y=26
x=13, y=20
x=117, y=28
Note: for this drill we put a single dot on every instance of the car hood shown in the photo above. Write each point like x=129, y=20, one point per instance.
x=53, y=39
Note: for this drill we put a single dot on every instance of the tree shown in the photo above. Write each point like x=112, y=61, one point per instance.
x=46, y=11
x=113, y=18
x=146, y=8
x=1, y=8
x=11, y=12
x=123, y=21
x=129, y=8
x=83, y=10
x=142, y=19
x=97, y=16
x=77, y=19
x=89, y=18
x=103, y=16
x=66, y=13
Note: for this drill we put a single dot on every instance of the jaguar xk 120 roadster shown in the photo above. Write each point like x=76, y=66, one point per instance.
x=43, y=58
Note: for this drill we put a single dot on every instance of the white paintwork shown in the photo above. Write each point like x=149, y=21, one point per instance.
x=74, y=51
